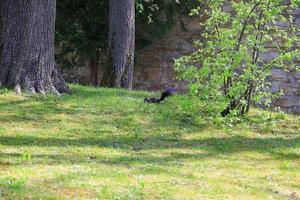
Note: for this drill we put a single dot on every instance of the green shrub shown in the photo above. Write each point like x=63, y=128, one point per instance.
x=227, y=71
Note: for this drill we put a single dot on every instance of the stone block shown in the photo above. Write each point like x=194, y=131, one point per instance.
x=297, y=22
x=297, y=75
x=269, y=56
x=288, y=89
x=227, y=8
x=289, y=102
x=296, y=12
x=291, y=79
x=171, y=56
x=279, y=74
x=276, y=86
x=185, y=47
x=282, y=25
x=192, y=25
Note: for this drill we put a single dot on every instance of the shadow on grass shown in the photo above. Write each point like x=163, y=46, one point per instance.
x=213, y=146
x=139, y=158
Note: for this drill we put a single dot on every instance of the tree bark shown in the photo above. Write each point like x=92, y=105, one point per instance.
x=28, y=49
x=121, y=40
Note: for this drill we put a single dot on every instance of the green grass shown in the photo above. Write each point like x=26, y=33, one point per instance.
x=108, y=144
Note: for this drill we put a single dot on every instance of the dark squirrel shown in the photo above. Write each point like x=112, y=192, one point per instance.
x=166, y=93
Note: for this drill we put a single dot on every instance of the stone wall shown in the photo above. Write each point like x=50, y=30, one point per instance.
x=289, y=83
x=286, y=81
x=154, y=64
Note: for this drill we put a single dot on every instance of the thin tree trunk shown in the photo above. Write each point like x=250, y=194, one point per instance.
x=119, y=71
x=28, y=49
x=94, y=68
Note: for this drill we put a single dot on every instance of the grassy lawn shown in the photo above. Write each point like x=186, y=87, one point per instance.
x=108, y=144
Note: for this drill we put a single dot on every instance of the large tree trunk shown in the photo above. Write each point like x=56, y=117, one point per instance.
x=119, y=72
x=28, y=50
x=1, y=31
